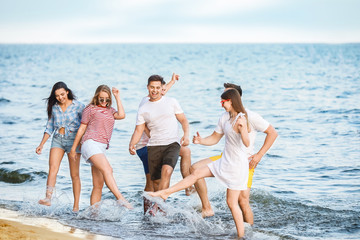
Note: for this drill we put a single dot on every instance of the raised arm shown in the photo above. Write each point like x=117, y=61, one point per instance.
x=185, y=127
x=135, y=138
x=120, y=114
x=271, y=135
x=213, y=139
x=174, y=78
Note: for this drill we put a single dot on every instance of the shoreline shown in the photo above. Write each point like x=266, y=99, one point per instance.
x=16, y=226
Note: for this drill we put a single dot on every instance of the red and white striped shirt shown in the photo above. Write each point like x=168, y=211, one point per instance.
x=100, y=123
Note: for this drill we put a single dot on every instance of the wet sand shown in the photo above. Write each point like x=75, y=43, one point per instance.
x=15, y=226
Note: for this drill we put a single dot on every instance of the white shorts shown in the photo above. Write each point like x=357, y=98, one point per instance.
x=89, y=148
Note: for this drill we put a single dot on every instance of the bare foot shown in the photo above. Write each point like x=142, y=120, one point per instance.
x=45, y=201
x=123, y=202
x=75, y=210
x=160, y=193
x=207, y=213
x=190, y=190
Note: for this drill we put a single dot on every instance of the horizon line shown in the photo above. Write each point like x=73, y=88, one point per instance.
x=195, y=42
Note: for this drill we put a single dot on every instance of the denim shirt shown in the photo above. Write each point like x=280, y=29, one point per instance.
x=70, y=119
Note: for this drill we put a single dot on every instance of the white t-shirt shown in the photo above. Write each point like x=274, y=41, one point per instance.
x=160, y=118
x=257, y=124
x=144, y=138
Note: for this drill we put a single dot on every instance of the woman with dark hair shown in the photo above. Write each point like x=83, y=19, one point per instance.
x=64, y=116
x=94, y=135
x=233, y=168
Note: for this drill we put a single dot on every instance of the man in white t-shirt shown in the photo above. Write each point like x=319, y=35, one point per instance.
x=257, y=124
x=161, y=115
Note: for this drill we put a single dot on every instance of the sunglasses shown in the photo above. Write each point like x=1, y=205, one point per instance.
x=223, y=101
x=101, y=100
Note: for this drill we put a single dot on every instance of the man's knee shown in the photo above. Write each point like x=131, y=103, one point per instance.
x=166, y=171
x=185, y=152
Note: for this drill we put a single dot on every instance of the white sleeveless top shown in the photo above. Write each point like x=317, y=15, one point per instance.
x=232, y=169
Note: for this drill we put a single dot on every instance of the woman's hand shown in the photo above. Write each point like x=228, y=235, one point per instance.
x=197, y=139
x=72, y=155
x=39, y=149
x=115, y=91
x=241, y=123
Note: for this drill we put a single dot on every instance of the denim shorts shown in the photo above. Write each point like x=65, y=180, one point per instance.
x=64, y=142
x=90, y=147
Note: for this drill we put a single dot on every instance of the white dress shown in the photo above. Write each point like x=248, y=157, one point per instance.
x=232, y=169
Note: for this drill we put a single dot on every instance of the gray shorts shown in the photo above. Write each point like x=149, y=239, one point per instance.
x=64, y=142
x=162, y=155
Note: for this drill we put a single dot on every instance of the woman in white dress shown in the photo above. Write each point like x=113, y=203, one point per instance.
x=233, y=168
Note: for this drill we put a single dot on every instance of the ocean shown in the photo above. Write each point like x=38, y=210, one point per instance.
x=306, y=187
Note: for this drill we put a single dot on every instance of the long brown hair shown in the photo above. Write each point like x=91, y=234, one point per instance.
x=51, y=100
x=237, y=105
x=95, y=99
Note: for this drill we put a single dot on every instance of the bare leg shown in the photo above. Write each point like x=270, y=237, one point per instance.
x=185, y=164
x=75, y=178
x=101, y=163
x=149, y=187
x=244, y=201
x=166, y=172
x=56, y=155
x=98, y=184
x=186, y=182
x=201, y=189
x=232, y=201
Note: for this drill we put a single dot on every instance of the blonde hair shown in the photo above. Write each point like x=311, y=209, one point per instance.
x=101, y=88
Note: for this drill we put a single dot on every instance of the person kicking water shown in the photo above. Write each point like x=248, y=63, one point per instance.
x=232, y=169
x=257, y=124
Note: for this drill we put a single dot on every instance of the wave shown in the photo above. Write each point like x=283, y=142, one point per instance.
x=4, y=100
x=18, y=176
x=301, y=219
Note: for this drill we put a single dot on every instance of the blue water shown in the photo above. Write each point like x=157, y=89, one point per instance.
x=306, y=187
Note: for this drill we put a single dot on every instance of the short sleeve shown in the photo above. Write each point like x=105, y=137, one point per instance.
x=258, y=122
x=177, y=107
x=113, y=111
x=86, y=115
x=140, y=118
x=219, y=128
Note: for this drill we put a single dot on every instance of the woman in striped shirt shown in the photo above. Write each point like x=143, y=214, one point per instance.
x=94, y=135
x=64, y=115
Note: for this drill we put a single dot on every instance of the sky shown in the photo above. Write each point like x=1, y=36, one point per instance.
x=179, y=21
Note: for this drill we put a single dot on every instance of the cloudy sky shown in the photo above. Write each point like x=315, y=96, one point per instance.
x=244, y=21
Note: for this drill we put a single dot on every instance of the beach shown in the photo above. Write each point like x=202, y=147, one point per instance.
x=14, y=226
